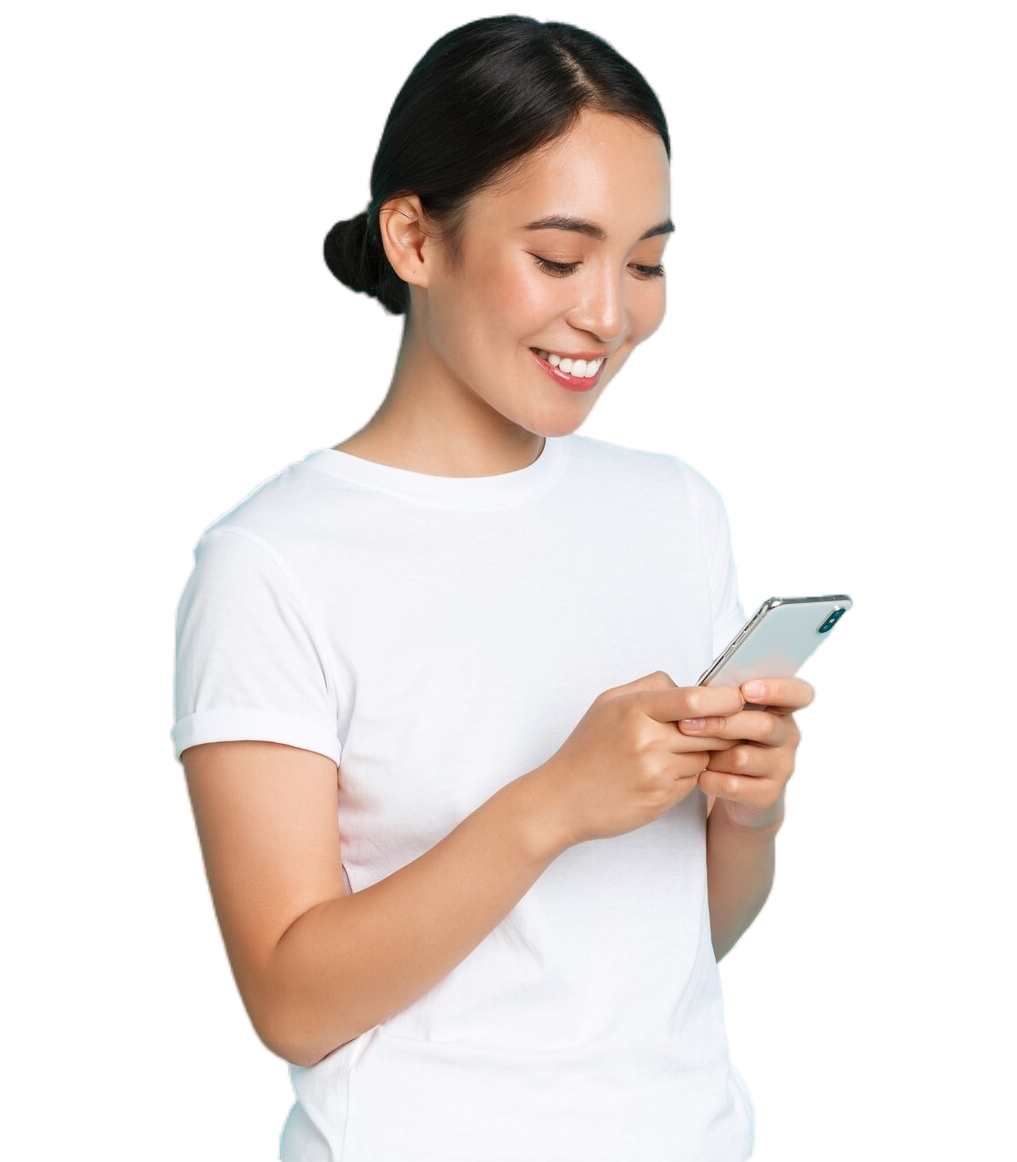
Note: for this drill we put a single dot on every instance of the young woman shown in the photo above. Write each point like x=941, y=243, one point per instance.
x=456, y=790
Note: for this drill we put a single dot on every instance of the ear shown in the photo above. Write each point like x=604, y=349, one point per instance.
x=409, y=248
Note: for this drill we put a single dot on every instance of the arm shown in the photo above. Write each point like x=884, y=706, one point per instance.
x=746, y=788
x=317, y=967
x=739, y=870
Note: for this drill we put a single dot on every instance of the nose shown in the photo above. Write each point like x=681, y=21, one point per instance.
x=601, y=310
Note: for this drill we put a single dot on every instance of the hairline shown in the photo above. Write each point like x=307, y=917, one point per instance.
x=505, y=175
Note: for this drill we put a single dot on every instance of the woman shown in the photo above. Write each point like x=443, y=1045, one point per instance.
x=461, y=647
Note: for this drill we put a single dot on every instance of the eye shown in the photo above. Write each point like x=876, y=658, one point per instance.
x=560, y=269
x=649, y=271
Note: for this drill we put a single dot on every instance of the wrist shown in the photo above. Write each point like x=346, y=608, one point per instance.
x=543, y=831
x=763, y=823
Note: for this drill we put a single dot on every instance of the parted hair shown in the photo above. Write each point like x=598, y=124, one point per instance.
x=480, y=99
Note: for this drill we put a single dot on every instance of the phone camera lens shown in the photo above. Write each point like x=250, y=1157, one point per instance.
x=831, y=621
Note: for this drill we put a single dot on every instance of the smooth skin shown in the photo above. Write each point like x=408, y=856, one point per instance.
x=315, y=966
x=468, y=397
x=268, y=823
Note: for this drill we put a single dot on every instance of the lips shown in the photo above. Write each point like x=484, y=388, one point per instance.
x=568, y=379
x=585, y=363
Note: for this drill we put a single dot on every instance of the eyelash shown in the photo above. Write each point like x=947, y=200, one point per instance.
x=561, y=269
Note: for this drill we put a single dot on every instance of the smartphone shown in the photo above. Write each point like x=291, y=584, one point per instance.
x=777, y=639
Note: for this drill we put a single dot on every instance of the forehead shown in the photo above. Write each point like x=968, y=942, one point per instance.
x=608, y=169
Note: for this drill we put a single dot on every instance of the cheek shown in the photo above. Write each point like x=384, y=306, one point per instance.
x=648, y=312
x=511, y=308
x=517, y=303
x=645, y=314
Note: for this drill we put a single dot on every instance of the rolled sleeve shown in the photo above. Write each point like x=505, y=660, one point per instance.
x=250, y=663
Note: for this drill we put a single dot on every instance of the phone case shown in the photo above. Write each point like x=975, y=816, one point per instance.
x=777, y=639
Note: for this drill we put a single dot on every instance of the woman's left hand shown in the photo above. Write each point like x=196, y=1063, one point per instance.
x=749, y=778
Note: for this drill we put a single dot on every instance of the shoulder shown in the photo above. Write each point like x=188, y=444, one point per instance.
x=275, y=513
x=636, y=467
x=254, y=559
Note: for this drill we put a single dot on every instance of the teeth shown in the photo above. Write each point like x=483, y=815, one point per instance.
x=580, y=368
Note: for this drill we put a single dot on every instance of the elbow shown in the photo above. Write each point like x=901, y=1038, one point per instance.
x=312, y=1008
x=294, y=1055
x=283, y=1042
x=299, y=1040
x=283, y=1039
x=273, y=1034
x=291, y=1046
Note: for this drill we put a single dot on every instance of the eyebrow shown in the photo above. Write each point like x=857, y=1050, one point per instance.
x=580, y=226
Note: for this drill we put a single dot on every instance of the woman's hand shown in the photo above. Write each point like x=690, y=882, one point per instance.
x=749, y=776
x=626, y=762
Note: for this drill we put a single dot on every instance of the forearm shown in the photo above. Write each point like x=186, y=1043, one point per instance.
x=740, y=864
x=352, y=962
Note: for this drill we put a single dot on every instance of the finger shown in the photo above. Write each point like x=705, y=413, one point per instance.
x=690, y=702
x=704, y=727
x=781, y=695
x=759, y=802
x=748, y=726
x=703, y=746
x=750, y=760
x=759, y=760
x=649, y=682
x=771, y=728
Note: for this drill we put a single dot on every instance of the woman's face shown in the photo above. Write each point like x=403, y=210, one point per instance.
x=559, y=268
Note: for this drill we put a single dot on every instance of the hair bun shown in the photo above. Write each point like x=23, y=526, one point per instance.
x=355, y=257
x=481, y=99
x=346, y=246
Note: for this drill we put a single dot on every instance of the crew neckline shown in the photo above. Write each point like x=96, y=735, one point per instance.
x=449, y=491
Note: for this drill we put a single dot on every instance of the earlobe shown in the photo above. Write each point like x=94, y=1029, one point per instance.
x=404, y=239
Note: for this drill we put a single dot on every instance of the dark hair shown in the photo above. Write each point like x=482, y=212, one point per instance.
x=482, y=97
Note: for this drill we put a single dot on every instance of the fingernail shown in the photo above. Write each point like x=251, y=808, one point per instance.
x=754, y=689
x=693, y=723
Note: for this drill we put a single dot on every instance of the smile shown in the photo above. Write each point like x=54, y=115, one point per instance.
x=577, y=368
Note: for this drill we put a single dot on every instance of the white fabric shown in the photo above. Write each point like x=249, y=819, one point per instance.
x=437, y=637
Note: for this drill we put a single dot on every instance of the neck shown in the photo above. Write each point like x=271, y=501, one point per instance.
x=431, y=422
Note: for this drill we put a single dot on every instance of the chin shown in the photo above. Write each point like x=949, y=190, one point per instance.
x=562, y=423
x=553, y=430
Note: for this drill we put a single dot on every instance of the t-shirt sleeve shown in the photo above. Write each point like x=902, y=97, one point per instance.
x=728, y=617
x=249, y=659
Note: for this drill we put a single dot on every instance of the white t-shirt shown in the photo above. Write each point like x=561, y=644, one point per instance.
x=438, y=637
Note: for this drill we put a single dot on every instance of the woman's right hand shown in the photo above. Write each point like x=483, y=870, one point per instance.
x=318, y=966
x=626, y=762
